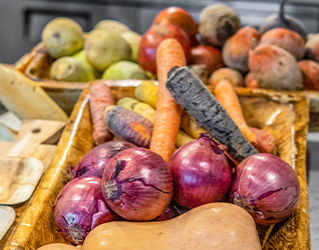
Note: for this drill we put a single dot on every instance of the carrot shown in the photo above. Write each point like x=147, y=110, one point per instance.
x=148, y=112
x=196, y=99
x=226, y=96
x=146, y=92
x=129, y=125
x=167, y=117
x=100, y=96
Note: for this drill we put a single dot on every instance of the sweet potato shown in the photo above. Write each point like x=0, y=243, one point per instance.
x=286, y=39
x=275, y=68
x=236, y=48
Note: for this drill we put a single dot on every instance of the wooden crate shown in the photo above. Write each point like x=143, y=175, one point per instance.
x=283, y=115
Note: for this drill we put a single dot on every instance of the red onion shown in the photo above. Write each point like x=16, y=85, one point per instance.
x=137, y=184
x=171, y=211
x=267, y=187
x=201, y=173
x=94, y=161
x=80, y=207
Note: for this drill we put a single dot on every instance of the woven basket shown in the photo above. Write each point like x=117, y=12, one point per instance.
x=285, y=116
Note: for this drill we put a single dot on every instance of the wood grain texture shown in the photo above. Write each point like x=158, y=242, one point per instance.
x=36, y=227
x=44, y=153
x=19, y=178
x=289, y=127
x=36, y=65
x=7, y=216
x=31, y=134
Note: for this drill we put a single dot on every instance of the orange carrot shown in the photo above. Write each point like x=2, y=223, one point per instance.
x=226, y=96
x=100, y=96
x=167, y=117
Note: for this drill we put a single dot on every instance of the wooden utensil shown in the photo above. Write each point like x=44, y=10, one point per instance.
x=18, y=179
x=32, y=133
x=7, y=216
x=29, y=144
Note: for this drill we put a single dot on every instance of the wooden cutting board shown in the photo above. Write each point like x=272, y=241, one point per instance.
x=7, y=216
x=32, y=133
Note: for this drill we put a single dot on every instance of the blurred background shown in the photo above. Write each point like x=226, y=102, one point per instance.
x=22, y=21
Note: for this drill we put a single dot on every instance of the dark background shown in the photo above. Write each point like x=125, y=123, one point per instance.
x=22, y=21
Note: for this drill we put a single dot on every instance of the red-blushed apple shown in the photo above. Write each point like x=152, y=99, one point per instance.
x=208, y=55
x=153, y=37
x=181, y=18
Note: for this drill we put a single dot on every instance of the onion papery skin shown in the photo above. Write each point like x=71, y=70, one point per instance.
x=267, y=187
x=80, y=207
x=201, y=173
x=95, y=160
x=171, y=211
x=137, y=184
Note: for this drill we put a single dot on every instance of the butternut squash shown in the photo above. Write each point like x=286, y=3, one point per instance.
x=214, y=226
x=57, y=246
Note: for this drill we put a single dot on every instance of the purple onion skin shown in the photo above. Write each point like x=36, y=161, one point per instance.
x=201, y=173
x=137, y=184
x=267, y=187
x=95, y=160
x=171, y=211
x=80, y=207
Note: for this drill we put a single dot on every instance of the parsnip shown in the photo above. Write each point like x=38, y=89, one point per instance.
x=25, y=98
